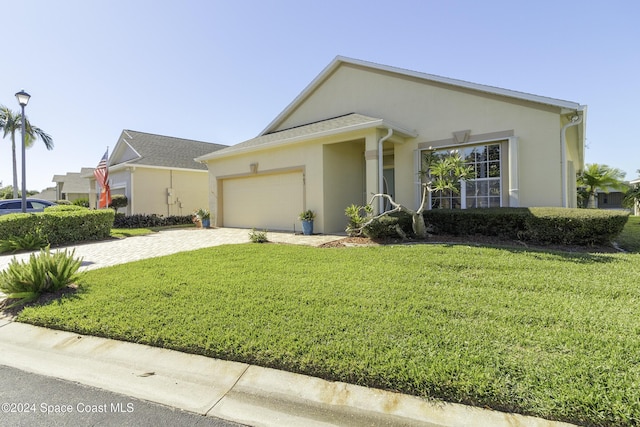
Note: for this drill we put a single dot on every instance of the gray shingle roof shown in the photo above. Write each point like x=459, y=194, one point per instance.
x=167, y=151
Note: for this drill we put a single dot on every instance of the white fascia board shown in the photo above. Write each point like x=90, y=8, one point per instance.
x=126, y=165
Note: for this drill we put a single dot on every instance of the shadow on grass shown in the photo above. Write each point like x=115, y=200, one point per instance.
x=46, y=298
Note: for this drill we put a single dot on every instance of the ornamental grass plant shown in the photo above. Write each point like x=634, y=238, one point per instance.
x=44, y=272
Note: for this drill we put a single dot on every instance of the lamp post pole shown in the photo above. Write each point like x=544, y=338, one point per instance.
x=23, y=100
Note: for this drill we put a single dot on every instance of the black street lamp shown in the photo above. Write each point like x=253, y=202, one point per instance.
x=23, y=100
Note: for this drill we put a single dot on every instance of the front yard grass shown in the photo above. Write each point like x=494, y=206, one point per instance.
x=629, y=239
x=554, y=335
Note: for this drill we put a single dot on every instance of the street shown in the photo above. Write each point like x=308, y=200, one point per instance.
x=33, y=400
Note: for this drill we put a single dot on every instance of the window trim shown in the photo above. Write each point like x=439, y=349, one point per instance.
x=504, y=153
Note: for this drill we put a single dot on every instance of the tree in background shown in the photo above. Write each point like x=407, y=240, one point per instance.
x=596, y=178
x=6, y=192
x=632, y=198
x=11, y=122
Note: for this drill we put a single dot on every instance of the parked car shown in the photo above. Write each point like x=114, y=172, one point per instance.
x=15, y=205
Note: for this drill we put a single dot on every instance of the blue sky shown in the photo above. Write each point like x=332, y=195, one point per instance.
x=220, y=71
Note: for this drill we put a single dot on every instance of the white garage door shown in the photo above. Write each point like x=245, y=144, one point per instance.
x=270, y=202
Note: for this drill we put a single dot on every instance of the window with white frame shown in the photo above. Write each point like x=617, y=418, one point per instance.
x=483, y=189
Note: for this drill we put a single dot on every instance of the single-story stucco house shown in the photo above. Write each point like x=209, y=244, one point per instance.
x=158, y=174
x=361, y=128
x=73, y=185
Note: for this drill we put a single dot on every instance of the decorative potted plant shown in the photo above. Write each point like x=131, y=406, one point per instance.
x=307, y=218
x=202, y=218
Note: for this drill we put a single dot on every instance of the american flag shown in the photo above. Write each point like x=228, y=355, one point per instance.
x=102, y=172
x=102, y=177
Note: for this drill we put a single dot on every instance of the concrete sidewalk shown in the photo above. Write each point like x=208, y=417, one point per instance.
x=230, y=390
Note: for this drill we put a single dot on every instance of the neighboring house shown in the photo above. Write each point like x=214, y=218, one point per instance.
x=158, y=174
x=361, y=128
x=49, y=193
x=610, y=200
x=72, y=185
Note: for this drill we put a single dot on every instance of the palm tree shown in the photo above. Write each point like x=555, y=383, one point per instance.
x=10, y=122
x=599, y=177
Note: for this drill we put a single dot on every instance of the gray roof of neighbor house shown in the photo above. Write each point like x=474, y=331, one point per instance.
x=348, y=122
x=166, y=151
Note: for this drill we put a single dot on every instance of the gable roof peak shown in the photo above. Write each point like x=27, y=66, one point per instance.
x=339, y=61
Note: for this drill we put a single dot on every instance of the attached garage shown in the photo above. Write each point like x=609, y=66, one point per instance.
x=264, y=201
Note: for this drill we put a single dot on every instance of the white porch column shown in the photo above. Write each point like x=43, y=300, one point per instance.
x=371, y=166
x=417, y=183
x=514, y=196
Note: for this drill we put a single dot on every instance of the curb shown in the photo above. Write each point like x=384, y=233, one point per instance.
x=230, y=390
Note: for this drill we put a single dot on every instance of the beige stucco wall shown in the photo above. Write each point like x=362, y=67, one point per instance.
x=148, y=190
x=343, y=169
x=312, y=159
x=435, y=111
x=343, y=181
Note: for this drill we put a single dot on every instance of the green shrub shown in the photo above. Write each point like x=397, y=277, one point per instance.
x=501, y=222
x=146, y=221
x=45, y=272
x=357, y=216
x=397, y=224
x=59, y=225
x=118, y=201
x=64, y=208
x=76, y=225
x=258, y=236
x=575, y=227
x=84, y=202
x=31, y=241
x=63, y=202
x=536, y=225
x=18, y=224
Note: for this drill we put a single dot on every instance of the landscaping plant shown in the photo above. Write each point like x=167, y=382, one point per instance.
x=258, y=236
x=45, y=272
x=28, y=242
x=438, y=173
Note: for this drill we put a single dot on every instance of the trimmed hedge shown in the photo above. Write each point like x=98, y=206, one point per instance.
x=536, y=225
x=146, y=221
x=59, y=225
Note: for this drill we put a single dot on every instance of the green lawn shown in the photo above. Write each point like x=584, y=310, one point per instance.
x=121, y=233
x=629, y=239
x=555, y=335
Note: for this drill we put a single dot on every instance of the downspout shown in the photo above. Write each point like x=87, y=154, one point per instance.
x=381, y=168
x=575, y=120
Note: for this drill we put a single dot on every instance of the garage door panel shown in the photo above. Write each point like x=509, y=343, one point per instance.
x=270, y=202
